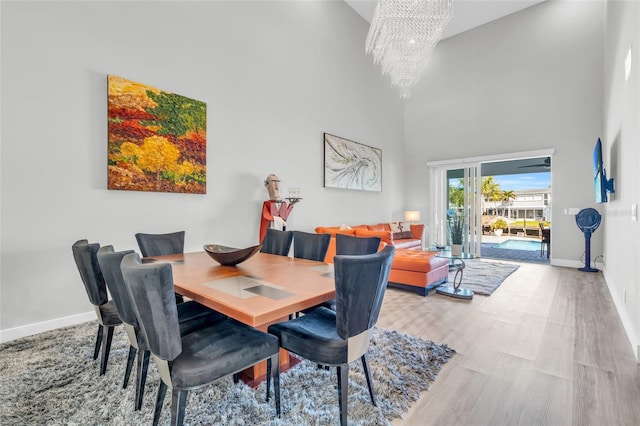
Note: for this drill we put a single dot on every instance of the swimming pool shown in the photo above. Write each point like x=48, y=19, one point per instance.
x=519, y=245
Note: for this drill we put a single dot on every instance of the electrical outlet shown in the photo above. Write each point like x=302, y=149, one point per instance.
x=627, y=65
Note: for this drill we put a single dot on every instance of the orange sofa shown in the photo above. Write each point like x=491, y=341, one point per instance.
x=403, y=235
x=412, y=268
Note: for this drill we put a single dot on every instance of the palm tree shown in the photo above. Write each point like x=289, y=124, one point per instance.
x=505, y=197
x=456, y=195
x=490, y=189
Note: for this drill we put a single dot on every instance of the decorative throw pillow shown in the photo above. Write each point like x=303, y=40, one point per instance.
x=402, y=235
x=378, y=227
x=344, y=227
x=398, y=227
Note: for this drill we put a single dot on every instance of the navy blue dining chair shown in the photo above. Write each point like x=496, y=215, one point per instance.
x=350, y=245
x=354, y=246
x=191, y=316
x=337, y=338
x=277, y=242
x=199, y=358
x=160, y=245
x=310, y=246
x=85, y=256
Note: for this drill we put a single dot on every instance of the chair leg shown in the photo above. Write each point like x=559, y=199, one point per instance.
x=268, y=378
x=96, y=350
x=236, y=378
x=178, y=406
x=141, y=377
x=343, y=392
x=106, y=347
x=276, y=381
x=365, y=367
x=127, y=370
x=162, y=391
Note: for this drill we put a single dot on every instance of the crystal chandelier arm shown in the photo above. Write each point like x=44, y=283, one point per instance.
x=402, y=35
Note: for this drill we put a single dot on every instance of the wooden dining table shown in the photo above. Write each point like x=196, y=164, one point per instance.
x=261, y=291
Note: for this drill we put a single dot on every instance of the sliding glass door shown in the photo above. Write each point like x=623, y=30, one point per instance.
x=455, y=191
x=455, y=187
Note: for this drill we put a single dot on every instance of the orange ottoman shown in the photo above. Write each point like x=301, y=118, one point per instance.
x=418, y=270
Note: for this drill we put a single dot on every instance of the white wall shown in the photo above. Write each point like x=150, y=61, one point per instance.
x=621, y=152
x=529, y=81
x=274, y=75
x=551, y=76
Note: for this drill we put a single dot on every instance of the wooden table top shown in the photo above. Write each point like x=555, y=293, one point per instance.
x=263, y=289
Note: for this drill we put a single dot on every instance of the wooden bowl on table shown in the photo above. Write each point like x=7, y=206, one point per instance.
x=229, y=256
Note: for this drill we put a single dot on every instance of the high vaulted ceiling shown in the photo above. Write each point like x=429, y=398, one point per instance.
x=467, y=14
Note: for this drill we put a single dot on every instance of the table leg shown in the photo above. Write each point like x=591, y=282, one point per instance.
x=257, y=373
x=456, y=290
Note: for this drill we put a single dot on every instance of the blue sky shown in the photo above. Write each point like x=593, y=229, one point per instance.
x=524, y=181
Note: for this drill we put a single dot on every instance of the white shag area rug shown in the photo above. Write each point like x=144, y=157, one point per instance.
x=51, y=379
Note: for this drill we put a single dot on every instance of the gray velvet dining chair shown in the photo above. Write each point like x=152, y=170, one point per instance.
x=160, y=245
x=337, y=338
x=354, y=246
x=310, y=246
x=277, y=242
x=199, y=358
x=191, y=316
x=85, y=256
x=350, y=245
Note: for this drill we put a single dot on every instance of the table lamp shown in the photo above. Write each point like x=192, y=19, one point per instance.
x=411, y=216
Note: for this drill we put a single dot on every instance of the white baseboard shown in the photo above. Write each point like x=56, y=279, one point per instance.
x=39, y=327
x=626, y=322
x=567, y=263
x=573, y=263
x=624, y=317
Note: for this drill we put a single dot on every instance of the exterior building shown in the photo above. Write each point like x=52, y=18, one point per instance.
x=528, y=204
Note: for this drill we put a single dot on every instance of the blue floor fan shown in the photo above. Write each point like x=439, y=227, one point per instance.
x=588, y=221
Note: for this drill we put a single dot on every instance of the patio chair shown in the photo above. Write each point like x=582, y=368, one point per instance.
x=545, y=242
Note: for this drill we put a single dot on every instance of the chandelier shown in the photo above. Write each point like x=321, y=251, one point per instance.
x=402, y=36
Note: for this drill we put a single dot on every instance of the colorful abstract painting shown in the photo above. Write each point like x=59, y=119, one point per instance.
x=351, y=165
x=157, y=140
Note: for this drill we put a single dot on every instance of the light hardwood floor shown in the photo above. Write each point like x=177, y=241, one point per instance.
x=546, y=348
